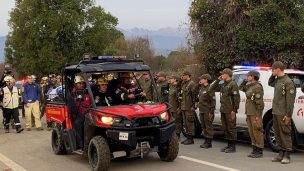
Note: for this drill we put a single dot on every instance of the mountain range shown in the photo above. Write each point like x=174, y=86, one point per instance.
x=163, y=40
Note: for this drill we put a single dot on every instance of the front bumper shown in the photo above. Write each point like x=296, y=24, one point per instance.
x=130, y=137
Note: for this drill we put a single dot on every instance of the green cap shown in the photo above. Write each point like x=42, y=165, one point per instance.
x=205, y=76
x=173, y=77
x=278, y=64
x=227, y=71
x=161, y=74
x=254, y=74
x=187, y=73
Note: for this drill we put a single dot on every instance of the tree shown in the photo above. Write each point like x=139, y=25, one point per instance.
x=46, y=34
x=232, y=32
x=138, y=46
x=179, y=59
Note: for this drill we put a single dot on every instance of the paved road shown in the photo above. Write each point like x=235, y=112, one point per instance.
x=31, y=150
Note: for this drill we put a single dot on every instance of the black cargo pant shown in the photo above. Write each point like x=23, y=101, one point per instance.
x=9, y=113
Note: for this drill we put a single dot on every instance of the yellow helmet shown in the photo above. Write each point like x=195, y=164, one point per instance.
x=45, y=78
x=102, y=80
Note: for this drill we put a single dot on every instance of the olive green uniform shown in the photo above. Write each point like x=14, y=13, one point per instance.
x=146, y=85
x=189, y=94
x=230, y=101
x=160, y=85
x=206, y=106
x=254, y=108
x=173, y=101
x=282, y=105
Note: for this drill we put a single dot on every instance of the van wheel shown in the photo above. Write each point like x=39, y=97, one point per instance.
x=270, y=138
x=169, y=150
x=57, y=142
x=99, y=154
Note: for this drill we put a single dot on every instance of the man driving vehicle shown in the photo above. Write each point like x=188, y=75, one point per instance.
x=125, y=92
x=101, y=96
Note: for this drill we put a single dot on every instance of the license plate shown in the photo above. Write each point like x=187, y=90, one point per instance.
x=123, y=136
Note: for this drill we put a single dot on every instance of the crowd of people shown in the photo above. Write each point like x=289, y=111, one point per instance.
x=182, y=93
x=31, y=96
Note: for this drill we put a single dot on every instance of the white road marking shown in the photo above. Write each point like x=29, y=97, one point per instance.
x=11, y=164
x=207, y=163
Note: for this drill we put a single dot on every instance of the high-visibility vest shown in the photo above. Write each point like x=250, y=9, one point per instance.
x=10, y=99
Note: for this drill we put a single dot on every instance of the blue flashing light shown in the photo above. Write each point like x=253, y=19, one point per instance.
x=104, y=57
x=109, y=57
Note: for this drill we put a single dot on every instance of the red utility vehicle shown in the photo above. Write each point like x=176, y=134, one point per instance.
x=138, y=127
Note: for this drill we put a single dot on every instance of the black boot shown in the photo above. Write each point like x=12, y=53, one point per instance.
x=254, y=150
x=224, y=148
x=231, y=148
x=184, y=140
x=286, y=158
x=189, y=141
x=258, y=153
x=279, y=157
x=19, y=129
x=207, y=143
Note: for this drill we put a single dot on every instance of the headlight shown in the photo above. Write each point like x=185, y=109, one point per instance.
x=107, y=120
x=164, y=116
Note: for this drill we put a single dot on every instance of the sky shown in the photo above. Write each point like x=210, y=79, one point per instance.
x=147, y=14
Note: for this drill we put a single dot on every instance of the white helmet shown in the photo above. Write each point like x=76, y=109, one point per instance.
x=8, y=78
x=34, y=77
x=78, y=79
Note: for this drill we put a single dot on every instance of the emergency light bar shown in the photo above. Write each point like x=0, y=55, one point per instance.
x=108, y=57
x=251, y=67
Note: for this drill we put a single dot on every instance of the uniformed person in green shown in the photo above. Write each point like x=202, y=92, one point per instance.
x=162, y=86
x=254, y=110
x=174, y=90
x=206, y=107
x=146, y=85
x=188, y=95
x=282, y=109
x=230, y=101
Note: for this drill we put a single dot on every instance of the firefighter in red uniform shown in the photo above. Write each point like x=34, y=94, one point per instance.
x=82, y=104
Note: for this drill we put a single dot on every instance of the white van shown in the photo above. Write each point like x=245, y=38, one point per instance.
x=239, y=74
